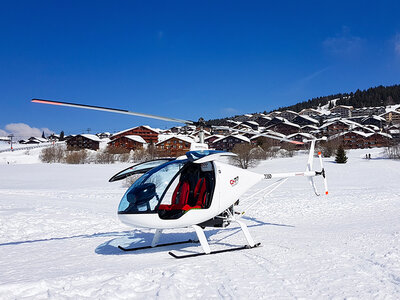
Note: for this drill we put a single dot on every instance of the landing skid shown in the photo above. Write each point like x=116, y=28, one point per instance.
x=213, y=252
x=156, y=246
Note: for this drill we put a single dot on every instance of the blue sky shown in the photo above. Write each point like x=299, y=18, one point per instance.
x=186, y=59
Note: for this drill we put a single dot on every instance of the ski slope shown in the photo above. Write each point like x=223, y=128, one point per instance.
x=59, y=235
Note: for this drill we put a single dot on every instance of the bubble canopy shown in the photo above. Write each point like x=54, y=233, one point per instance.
x=146, y=193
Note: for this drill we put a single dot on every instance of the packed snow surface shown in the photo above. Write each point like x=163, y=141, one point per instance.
x=59, y=234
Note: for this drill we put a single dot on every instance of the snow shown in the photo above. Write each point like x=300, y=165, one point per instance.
x=309, y=119
x=136, y=138
x=59, y=235
x=180, y=137
x=92, y=137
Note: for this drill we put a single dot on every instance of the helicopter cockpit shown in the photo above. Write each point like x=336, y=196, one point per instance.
x=171, y=189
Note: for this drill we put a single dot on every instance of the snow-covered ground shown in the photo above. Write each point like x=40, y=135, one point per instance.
x=59, y=235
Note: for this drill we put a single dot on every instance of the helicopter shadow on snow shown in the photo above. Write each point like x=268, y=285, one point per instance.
x=138, y=238
x=79, y=236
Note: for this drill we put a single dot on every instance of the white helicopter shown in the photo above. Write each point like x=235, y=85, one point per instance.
x=195, y=190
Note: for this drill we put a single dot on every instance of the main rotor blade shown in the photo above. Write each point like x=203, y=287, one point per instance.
x=260, y=134
x=114, y=110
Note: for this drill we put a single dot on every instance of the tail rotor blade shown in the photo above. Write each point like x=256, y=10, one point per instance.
x=323, y=173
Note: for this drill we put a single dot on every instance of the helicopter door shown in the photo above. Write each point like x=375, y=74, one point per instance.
x=140, y=168
x=192, y=189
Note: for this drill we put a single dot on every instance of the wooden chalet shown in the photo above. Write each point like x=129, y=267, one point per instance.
x=284, y=127
x=174, y=146
x=261, y=140
x=367, y=111
x=149, y=134
x=343, y=110
x=308, y=128
x=309, y=112
x=34, y=140
x=210, y=139
x=360, y=140
x=300, y=136
x=83, y=141
x=334, y=127
x=262, y=120
x=274, y=114
x=374, y=120
x=289, y=114
x=129, y=142
x=253, y=124
x=395, y=133
x=227, y=143
x=54, y=137
x=304, y=120
x=391, y=117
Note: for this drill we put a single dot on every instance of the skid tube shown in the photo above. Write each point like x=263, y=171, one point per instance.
x=177, y=256
x=156, y=246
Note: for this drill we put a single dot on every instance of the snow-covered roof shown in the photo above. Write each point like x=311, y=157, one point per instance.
x=290, y=123
x=378, y=118
x=290, y=112
x=243, y=125
x=38, y=139
x=310, y=109
x=91, y=137
x=373, y=127
x=394, y=131
x=269, y=132
x=180, y=137
x=363, y=134
x=343, y=106
x=103, y=133
x=344, y=121
x=310, y=126
x=252, y=122
x=384, y=134
x=239, y=136
x=234, y=122
x=308, y=118
x=146, y=126
x=358, y=126
x=136, y=138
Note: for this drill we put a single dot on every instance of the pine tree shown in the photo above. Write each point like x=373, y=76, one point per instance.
x=43, y=136
x=62, y=135
x=341, y=157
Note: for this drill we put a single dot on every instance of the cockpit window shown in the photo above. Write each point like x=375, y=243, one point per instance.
x=140, y=168
x=145, y=193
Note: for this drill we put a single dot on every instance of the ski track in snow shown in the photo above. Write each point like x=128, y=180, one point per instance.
x=59, y=235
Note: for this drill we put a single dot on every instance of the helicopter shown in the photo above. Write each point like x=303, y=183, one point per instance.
x=196, y=190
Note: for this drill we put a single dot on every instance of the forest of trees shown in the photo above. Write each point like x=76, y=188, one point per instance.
x=376, y=96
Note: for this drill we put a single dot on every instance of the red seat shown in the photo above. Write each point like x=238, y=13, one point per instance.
x=179, y=197
x=199, y=195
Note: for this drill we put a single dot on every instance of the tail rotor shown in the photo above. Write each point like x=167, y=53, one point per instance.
x=310, y=165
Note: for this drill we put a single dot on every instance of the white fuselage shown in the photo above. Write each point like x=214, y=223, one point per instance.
x=230, y=184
